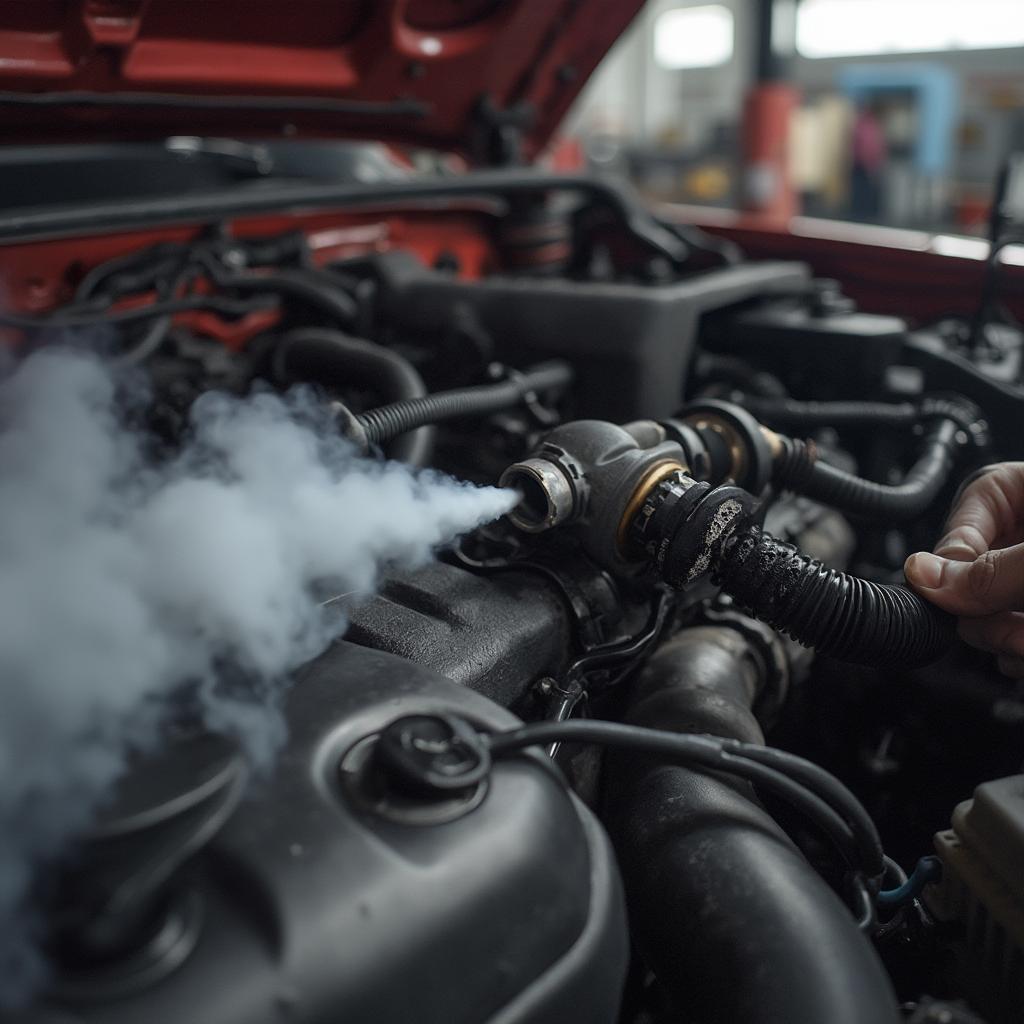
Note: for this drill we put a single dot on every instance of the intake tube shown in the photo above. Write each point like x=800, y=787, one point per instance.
x=733, y=920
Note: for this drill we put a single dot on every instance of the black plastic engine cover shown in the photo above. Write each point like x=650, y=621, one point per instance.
x=315, y=909
x=630, y=344
x=496, y=634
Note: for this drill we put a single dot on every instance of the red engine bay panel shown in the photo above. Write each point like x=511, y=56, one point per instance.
x=437, y=73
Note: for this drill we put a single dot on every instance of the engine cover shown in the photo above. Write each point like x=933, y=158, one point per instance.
x=315, y=906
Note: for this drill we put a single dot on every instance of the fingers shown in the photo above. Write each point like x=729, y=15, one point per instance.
x=994, y=582
x=1002, y=634
x=989, y=508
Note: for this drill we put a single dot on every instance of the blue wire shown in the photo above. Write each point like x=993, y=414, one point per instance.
x=927, y=869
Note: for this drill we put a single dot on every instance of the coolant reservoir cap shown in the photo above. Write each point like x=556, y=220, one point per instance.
x=432, y=755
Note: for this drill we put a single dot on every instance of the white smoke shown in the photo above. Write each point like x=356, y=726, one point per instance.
x=121, y=580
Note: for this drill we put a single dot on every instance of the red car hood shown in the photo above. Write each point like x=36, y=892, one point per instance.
x=487, y=78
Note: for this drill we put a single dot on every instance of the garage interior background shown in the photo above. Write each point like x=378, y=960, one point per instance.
x=945, y=92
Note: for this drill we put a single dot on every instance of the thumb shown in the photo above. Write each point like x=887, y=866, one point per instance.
x=993, y=582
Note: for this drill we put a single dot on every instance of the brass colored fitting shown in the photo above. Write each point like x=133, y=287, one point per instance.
x=774, y=441
x=732, y=438
x=648, y=482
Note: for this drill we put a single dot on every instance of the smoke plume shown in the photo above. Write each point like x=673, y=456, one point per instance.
x=122, y=579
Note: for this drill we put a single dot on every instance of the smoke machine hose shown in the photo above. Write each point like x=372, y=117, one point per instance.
x=837, y=614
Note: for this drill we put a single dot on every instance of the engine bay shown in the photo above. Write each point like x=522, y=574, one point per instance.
x=639, y=722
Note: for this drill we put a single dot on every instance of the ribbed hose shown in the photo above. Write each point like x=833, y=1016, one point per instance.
x=335, y=360
x=835, y=613
x=390, y=421
x=798, y=470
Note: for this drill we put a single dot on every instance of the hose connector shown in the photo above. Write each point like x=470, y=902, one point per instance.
x=594, y=476
x=551, y=493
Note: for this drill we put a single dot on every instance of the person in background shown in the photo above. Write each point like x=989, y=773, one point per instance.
x=868, y=156
x=977, y=569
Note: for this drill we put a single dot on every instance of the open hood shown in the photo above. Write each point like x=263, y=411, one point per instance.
x=487, y=78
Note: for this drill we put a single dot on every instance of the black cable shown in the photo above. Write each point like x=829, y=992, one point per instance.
x=390, y=421
x=157, y=331
x=214, y=303
x=815, y=777
x=316, y=290
x=614, y=654
x=800, y=783
x=159, y=253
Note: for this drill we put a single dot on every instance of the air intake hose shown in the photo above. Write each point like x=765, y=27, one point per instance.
x=734, y=922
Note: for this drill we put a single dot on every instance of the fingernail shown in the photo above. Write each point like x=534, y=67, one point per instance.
x=958, y=550
x=924, y=570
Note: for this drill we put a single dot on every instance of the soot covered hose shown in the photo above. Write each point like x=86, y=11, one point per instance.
x=692, y=529
x=834, y=612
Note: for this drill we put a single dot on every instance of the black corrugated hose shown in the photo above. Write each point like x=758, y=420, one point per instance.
x=390, y=421
x=835, y=613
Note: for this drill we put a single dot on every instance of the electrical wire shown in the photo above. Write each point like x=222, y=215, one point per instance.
x=927, y=869
x=620, y=652
x=213, y=303
x=802, y=784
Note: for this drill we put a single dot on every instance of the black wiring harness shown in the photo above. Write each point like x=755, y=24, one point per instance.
x=227, y=276
x=436, y=755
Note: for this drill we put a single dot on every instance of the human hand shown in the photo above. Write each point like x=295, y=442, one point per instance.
x=977, y=570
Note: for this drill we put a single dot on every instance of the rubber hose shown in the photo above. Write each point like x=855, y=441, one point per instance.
x=734, y=921
x=798, y=470
x=788, y=412
x=298, y=284
x=837, y=614
x=335, y=360
x=391, y=421
x=782, y=412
